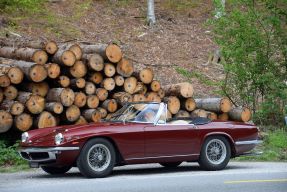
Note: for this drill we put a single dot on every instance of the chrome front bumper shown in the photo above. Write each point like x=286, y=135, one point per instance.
x=38, y=154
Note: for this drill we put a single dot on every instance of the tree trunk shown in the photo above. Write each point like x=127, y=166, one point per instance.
x=80, y=99
x=223, y=117
x=10, y=92
x=79, y=83
x=90, y=88
x=153, y=97
x=109, y=52
x=53, y=70
x=94, y=61
x=240, y=114
x=72, y=114
x=81, y=121
x=4, y=80
x=40, y=89
x=110, y=105
x=155, y=86
x=32, y=71
x=62, y=81
x=102, y=94
x=92, y=115
x=188, y=104
x=96, y=77
x=173, y=104
x=182, y=114
x=125, y=68
x=49, y=46
x=130, y=85
x=139, y=98
x=64, y=57
x=26, y=54
x=23, y=122
x=145, y=75
x=199, y=113
x=119, y=80
x=13, y=107
x=109, y=84
x=103, y=112
x=78, y=70
x=122, y=98
x=6, y=121
x=92, y=101
x=214, y=104
x=64, y=95
x=15, y=74
x=45, y=119
x=54, y=107
x=150, y=12
x=34, y=103
x=180, y=90
x=109, y=69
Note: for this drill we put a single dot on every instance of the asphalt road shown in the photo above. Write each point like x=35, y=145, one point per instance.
x=238, y=176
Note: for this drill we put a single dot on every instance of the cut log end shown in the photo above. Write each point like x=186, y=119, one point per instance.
x=73, y=113
x=189, y=104
x=110, y=105
x=6, y=121
x=173, y=104
x=146, y=75
x=46, y=119
x=10, y=92
x=92, y=101
x=53, y=70
x=15, y=75
x=35, y=104
x=40, y=57
x=81, y=121
x=95, y=62
x=38, y=73
x=155, y=86
x=77, y=50
x=80, y=99
x=23, y=122
x=125, y=68
x=78, y=70
x=51, y=47
x=4, y=81
x=67, y=97
x=225, y=105
x=68, y=58
x=113, y=53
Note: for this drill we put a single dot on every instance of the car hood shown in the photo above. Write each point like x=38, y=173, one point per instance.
x=45, y=136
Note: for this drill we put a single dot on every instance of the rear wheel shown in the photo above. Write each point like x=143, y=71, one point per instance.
x=215, y=153
x=56, y=170
x=97, y=158
x=170, y=165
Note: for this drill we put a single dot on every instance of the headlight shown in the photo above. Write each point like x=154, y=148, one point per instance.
x=24, y=137
x=59, y=138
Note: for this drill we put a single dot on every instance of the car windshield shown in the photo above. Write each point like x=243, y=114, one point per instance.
x=137, y=112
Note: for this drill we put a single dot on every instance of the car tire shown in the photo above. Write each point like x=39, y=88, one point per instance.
x=170, y=165
x=56, y=170
x=97, y=158
x=215, y=153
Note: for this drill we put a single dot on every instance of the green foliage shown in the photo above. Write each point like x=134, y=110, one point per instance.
x=252, y=36
x=180, y=5
x=20, y=5
x=9, y=155
x=274, y=147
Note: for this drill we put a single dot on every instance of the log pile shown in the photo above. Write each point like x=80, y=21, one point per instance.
x=44, y=84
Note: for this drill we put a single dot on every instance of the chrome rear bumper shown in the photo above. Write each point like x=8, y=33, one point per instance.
x=249, y=142
x=39, y=154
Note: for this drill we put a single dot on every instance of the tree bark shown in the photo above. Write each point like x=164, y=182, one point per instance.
x=64, y=95
x=40, y=89
x=180, y=90
x=26, y=54
x=92, y=115
x=240, y=114
x=214, y=104
x=15, y=74
x=150, y=12
x=75, y=48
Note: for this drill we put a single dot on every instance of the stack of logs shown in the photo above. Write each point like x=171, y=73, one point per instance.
x=44, y=84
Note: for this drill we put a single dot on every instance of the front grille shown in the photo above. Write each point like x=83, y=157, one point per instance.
x=35, y=155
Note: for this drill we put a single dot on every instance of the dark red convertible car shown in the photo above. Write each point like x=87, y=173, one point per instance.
x=136, y=134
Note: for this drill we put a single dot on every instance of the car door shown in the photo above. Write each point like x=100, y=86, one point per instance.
x=170, y=140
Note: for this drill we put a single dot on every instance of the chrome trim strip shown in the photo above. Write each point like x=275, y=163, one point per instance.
x=163, y=157
x=48, y=149
x=250, y=142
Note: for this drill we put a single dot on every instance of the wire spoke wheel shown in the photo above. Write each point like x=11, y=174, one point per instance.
x=99, y=157
x=215, y=151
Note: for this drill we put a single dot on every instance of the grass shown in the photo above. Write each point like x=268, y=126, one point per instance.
x=274, y=147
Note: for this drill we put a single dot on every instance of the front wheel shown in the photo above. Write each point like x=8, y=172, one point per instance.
x=97, y=158
x=215, y=153
x=56, y=170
